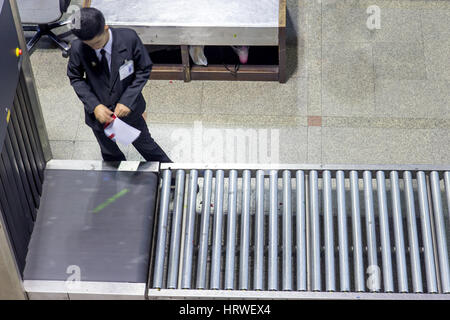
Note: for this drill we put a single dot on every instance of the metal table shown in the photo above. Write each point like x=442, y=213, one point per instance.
x=207, y=23
x=196, y=22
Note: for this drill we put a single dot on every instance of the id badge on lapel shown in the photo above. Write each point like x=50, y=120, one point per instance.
x=126, y=69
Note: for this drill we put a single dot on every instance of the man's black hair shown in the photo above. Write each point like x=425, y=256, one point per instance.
x=92, y=24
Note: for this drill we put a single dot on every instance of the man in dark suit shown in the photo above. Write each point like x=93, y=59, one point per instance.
x=108, y=69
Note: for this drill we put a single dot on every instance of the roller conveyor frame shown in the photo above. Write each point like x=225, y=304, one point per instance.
x=354, y=177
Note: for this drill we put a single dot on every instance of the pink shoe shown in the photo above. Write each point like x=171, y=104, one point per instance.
x=242, y=52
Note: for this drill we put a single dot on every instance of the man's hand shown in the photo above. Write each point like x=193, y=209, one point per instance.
x=103, y=114
x=121, y=110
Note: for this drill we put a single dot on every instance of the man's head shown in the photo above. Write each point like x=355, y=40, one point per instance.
x=93, y=30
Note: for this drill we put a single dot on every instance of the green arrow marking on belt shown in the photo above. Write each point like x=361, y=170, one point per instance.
x=110, y=200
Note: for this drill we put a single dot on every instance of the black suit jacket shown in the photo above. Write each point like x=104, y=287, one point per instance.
x=92, y=86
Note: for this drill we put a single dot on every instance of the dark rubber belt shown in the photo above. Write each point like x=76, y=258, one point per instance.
x=99, y=221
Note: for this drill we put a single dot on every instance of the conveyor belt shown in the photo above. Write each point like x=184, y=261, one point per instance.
x=302, y=232
x=95, y=219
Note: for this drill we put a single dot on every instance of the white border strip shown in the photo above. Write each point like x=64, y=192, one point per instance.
x=39, y=289
x=258, y=166
x=98, y=165
x=287, y=295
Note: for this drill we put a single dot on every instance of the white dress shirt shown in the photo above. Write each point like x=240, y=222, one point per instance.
x=108, y=50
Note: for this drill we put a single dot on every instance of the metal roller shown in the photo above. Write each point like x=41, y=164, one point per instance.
x=273, y=232
x=162, y=230
x=440, y=232
x=204, y=230
x=402, y=275
x=174, y=254
x=430, y=268
x=245, y=232
x=342, y=229
x=231, y=231
x=259, y=232
x=217, y=232
x=189, y=232
x=414, y=253
x=301, y=232
x=315, y=230
x=384, y=233
x=370, y=229
x=287, y=231
x=357, y=234
x=447, y=190
x=330, y=284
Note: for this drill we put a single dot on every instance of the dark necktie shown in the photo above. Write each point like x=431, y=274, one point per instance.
x=104, y=62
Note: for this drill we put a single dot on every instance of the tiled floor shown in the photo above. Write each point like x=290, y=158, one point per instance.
x=354, y=95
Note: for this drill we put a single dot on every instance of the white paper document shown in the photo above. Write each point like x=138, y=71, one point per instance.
x=119, y=131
